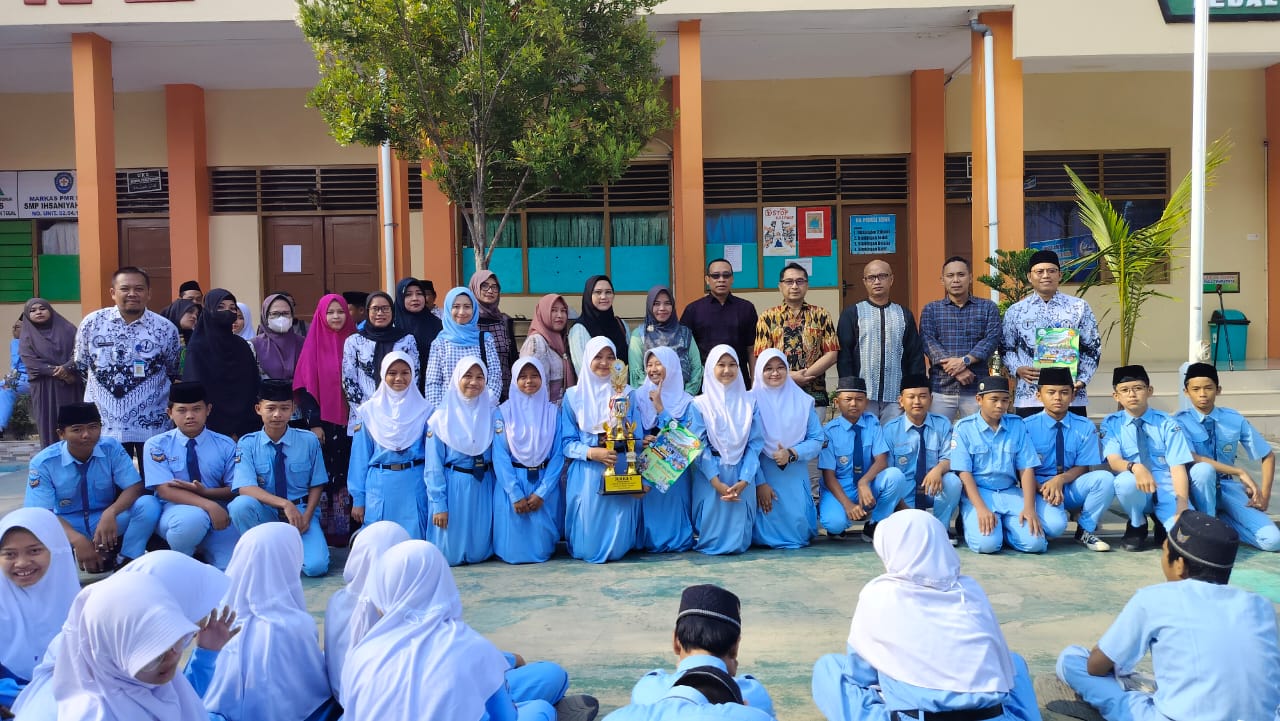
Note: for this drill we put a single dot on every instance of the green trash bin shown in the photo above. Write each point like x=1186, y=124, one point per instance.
x=1228, y=337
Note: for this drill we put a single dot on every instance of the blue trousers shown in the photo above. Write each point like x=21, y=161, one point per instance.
x=891, y=488
x=944, y=504
x=1091, y=494
x=1231, y=504
x=135, y=525
x=248, y=512
x=187, y=528
x=1007, y=505
x=1138, y=504
x=537, y=680
x=1104, y=693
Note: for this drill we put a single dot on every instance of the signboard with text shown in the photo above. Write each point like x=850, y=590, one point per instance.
x=1184, y=11
x=8, y=194
x=872, y=234
x=47, y=194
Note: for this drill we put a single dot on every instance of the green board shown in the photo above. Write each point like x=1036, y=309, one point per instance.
x=17, y=283
x=1230, y=282
x=1184, y=11
x=60, y=278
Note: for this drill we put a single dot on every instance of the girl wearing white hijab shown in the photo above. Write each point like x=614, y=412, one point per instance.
x=528, y=462
x=350, y=614
x=925, y=635
x=724, y=504
x=667, y=524
x=459, y=466
x=119, y=660
x=598, y=528
x=38, y=582
x=385, y=474
x=793, y=436
x=273, y=669
x=421, y=660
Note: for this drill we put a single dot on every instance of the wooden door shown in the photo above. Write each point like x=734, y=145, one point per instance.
x=295, y=259
x=144, y=243
x=959, y=229
x=852, y=288
x=351, y=253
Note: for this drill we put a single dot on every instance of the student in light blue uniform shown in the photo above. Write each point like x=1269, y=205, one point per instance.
x=1216, y=436
x=92, y=486
x=599, y=528
x=993, y=455
x=279, y=476
x=191, y=469
x=858, y=484
x=1068, y=445
x=702, y=693
x=920, y=446
x=666, y=517
x=792, y=434
x=528, y=461
x=724, y=503
x=385, y=474
x=1213, y=646
x=708, y=631
x=459, y=467
x=1148, y=452
x=924, y=642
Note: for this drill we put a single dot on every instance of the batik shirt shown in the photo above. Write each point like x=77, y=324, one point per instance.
x=360, y=375
x=127, y=367
x=1028, y=315
x=803, y=337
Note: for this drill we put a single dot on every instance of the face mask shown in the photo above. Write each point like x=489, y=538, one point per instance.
x=280, y=325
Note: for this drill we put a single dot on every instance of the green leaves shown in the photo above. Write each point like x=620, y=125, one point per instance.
x=1010, y=276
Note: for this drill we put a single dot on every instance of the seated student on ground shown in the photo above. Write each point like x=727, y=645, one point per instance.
x=38, y=582
x=920, y=446
x=273, y=669
x=708, y=630
x=1148, y=452
x=1216, y=436
x=704, y=693
x=924, y=642
x=1213, y=646
x=91, y=484
x=190, y=468
x=666, y=520
x=528, y=462
x=792, y=433
x=857, y=482
x=996, y=461
x=1068, y=446
x=279, y=475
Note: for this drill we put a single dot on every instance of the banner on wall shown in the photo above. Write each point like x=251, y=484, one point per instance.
x=815, y=231
x=873, y=234
x=47, y=194
x=779, y=225
x=8, y=194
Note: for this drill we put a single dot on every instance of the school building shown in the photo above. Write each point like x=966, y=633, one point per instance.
x=174, y=135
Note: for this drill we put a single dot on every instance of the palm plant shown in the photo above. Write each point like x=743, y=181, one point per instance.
x=1009, y=276
x=1134, y=260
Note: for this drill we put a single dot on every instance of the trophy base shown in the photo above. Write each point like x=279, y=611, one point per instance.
x=621, y=483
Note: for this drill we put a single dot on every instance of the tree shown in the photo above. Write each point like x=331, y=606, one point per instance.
x=1009, y=278
x=1134, y=260
x=506, y=99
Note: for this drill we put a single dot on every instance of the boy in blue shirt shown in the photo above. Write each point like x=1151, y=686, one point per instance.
x=1148, y=452
x=1216, y=435
x=279, y=476
x=1068, y=446
x=993, y=455
x=1213, y=647
x=920, y=446
x=858, y=483
x=91, y=485
x=190, y=468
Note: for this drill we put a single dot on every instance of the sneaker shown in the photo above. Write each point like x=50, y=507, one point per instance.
x=868, y=532
x=1135, y=537
x=952, y=538
x=577, y=708
x=1091, y=542
x=1157, y=538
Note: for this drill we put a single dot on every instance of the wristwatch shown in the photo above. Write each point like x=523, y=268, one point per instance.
x=1129, y=467
x=791, y=454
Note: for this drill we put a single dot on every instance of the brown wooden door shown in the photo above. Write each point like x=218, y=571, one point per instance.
x=852, y=265
x=300, y=241
x=351, y=253
x=960, y=236
x=144, y=243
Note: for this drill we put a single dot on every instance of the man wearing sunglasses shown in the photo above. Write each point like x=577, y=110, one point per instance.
x=722, y=317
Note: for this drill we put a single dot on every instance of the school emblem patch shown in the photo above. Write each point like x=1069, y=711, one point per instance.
x=902, y=460
x=497, y=426
x=64, y=502
x=356, y=428
x=33, y=481
x=428, y=433
x=844, y=459
x=237, y=456
x=157, y=456
x=1229, y=448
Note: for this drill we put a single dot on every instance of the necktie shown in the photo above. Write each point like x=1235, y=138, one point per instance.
x=922, y=501
x=857, y=452
x=84, y=494
x=1060, y=447
x=277, y=470
x=193, y=461
x=1212, y=429
x=1144, y=443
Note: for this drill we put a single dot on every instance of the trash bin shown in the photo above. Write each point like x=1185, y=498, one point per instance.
x=1228, y=337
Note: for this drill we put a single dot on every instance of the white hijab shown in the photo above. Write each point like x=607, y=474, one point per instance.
x=784, y=411
x=529, y=420
x=350, y=613
x=273, y=669
x=589, y=399
x=465, y=425
x=675, y=400
x=125, y=623
x=247, y=332
x=420, y=661
x=30, y=617
x=726, y=410
x=395, y=419
x=923, y=623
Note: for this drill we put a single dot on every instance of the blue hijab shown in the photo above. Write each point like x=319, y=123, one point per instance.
x=463, y=335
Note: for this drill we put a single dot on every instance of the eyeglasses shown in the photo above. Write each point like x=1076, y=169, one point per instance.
x=720, y=276
x=877, y=278
x=379, y=309
x=795, y=281
x=280, y=314
x=489, y=287
x=1131, y=390
x=1046, y=271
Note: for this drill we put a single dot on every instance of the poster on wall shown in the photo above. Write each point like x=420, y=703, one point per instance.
x=815, y=235
x=779, y=230
x=8, y=194
x=873, y=234
x=47, y=194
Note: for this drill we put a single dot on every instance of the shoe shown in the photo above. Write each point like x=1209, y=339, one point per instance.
x=868, y=532
x=1090, y=541
x=959, y=525
x=839, y=536
x=577, y=708
x=952, y=538
x=1135, y=537
x=1157, y=538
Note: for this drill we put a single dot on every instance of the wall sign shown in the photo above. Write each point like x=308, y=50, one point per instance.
x=1184, y=11
x=40, y=194
x=872, y=234
x=143, y=181
x=779, y=226
x=1229, y=282
x=8, y=194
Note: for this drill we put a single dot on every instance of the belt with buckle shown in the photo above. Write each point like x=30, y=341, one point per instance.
x=398, y=466
x=538, y=467
x=973, y=714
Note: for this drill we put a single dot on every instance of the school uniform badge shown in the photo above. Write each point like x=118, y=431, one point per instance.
x=158, y=456
x=33, y=479
x=844, y=460
x=1229, y=448
x=497, y=426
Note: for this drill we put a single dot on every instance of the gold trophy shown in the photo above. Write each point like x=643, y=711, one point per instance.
x=620, y=436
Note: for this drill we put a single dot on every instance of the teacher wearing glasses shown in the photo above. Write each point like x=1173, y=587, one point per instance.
x=803, y=332
x=722, y=318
